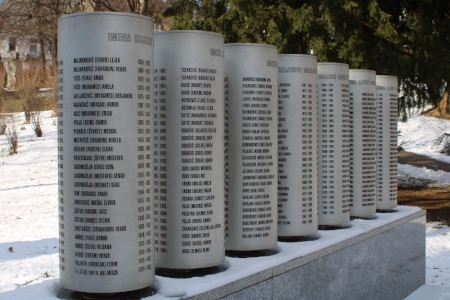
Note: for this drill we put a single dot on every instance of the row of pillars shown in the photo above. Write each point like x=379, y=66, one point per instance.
x=175, y=147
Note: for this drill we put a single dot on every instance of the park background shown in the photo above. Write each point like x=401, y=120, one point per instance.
x=408, y=39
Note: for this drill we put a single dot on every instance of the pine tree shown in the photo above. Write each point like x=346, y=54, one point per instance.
x=409, y=39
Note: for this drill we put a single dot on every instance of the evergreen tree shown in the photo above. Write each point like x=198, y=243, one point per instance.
x=406, y=38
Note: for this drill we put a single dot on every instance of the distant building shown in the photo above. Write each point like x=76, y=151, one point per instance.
x=20, y=53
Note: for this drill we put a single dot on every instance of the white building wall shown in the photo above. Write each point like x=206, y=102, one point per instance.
x=20, y=52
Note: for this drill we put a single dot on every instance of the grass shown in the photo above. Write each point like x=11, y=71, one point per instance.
x=26, y=96
x=12, y=102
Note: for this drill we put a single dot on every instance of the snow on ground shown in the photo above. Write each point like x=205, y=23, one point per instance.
x=28, y=208
x=29, y=212
x=437, y=265
x=425, y=135
x=424, y=175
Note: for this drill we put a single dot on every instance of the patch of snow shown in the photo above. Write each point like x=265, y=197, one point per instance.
x=421, y=135
x=29, y=222
x=422, y=176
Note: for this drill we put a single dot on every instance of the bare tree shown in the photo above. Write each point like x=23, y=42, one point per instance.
x=11, y=121
x=28, y=83
x=38, y=19
x=150, y=8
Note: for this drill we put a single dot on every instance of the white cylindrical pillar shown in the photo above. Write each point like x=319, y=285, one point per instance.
x=105, y=96
x=363, y=151
x=297, y=145
x=189, y=148
x=333, y=144
x=387, y=111
x=251, y=146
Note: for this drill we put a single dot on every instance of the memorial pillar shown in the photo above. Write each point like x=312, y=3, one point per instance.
x=333, y=144
x=297, y=145
x=105, y=95
x=363, y=151
x=251, y=114
x=387, y=111
x=189, y=149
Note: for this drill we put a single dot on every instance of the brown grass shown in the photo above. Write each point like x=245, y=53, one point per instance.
x=26, y=93
x=435, y=200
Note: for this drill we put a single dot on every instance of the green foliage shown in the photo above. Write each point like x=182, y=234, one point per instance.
x=408, y=39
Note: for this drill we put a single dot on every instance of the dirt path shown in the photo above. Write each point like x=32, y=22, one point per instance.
x=436, y=200
x=417, y=160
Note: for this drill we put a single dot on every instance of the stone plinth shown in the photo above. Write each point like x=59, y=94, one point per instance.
x=382, y=258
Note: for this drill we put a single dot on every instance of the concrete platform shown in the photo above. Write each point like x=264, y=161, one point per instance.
x=382, y=258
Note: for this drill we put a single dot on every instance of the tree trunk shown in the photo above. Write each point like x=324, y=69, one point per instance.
x=2, y=84
x=143, y=7
x=443, y=108
x=42, y=54
x=3, y=78
x=446, y=99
